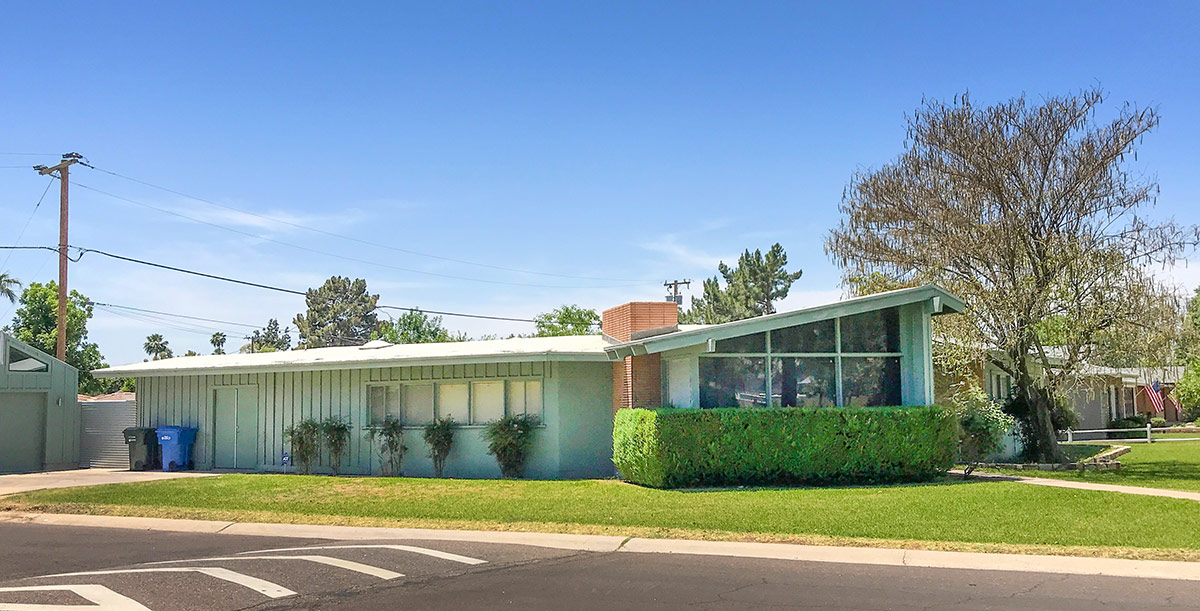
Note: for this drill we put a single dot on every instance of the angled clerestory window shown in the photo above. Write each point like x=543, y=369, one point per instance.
x=21, y=361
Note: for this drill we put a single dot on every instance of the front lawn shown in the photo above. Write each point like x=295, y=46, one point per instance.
x=987, y=515
x=1169, y=464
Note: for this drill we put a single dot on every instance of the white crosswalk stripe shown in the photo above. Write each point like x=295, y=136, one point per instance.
x=261, y=586
x=349, y=565
x=103, y=599
x=404, y=548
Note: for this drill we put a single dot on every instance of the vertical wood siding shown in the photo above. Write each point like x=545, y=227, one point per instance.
x=285, y=398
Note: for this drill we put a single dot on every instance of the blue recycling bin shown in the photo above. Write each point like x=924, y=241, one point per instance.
x=176, y=443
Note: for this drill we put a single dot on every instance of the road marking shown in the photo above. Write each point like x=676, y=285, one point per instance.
x=104, y=599
x=404, y=548
x=349, y=565
x=261, y=586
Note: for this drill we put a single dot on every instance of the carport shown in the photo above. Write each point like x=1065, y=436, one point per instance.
x=39, y=409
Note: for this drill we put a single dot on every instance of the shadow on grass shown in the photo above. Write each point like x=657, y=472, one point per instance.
x=948, y=480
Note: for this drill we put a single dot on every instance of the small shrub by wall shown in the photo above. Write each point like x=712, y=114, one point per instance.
x=669, y=448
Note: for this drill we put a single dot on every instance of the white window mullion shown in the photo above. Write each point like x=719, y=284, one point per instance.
x=837, y=336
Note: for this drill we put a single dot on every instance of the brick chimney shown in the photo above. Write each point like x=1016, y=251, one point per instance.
x=637, y=381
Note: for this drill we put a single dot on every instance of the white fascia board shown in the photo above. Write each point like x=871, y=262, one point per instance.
x=119, y=372
x=850, y=307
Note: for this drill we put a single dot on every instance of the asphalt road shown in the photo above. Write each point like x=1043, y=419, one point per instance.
x=134, y=570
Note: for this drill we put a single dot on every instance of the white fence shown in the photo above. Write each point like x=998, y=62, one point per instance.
x=1149, y=431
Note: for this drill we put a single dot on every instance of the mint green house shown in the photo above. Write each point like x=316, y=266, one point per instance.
x=872, y=350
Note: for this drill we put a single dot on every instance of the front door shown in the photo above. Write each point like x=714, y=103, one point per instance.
x=235, y=427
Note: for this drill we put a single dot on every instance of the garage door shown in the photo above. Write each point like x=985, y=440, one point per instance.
x=103, y=440
x=22, y=431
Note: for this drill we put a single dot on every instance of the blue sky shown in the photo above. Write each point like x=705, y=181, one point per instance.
x=629, y=141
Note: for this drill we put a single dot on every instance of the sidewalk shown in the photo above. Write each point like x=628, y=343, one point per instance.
x=24, y=482
x=1064, y=565
x=1063, y=483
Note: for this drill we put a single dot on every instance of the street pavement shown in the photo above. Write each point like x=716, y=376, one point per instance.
x=45, y=567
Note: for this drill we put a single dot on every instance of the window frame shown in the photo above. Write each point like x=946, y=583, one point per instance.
x=837, y=355
x=9, y=347
x=470, y=384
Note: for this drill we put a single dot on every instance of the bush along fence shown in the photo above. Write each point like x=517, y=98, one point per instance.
x=669, y=448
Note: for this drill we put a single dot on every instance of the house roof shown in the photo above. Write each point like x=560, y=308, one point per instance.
x=1137, y=375
x=112, y=396
x=691, y=335
x=376, y=354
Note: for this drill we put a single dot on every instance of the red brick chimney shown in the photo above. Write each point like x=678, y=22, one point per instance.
x=637, y=381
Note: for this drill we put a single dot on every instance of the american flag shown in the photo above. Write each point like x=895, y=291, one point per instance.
x=1155, y=394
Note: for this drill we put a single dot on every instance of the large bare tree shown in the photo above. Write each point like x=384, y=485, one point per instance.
x=1031, y=212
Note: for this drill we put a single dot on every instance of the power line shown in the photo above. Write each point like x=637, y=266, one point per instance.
x=49, y=183
x=82, y=251
x=269, y=287
x=199, y=318
x=358, y=240
x=326, y=253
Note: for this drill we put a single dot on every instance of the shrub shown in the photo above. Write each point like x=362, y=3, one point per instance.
x=388, y=440
x=336, y=433
x=1158, y=422
x=304, y=437
x=1062, y=417
x=509, y=440
x=1136, y=421
x=982, y=425
x=693, y=447
x=439, y=436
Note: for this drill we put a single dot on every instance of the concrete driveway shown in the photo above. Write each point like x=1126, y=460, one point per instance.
x=24, y=482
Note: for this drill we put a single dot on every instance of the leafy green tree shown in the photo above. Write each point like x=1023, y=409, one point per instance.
x=269, y=339
x=416, y=327
x=340, y=313
x=35, y=323
x=8, y=286
x=567, y=320
x=157, y=348
x=751, y=288
x=1028, y=212
x=218, y=342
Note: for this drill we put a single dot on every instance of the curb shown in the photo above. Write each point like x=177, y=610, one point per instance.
x=1062, y=565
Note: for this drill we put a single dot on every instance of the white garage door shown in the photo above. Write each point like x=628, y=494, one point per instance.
x=22, y=431
x=103, y=436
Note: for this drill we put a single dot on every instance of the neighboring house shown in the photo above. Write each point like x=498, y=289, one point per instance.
x=1102, y=395
x=867, y=351
x=39, y=413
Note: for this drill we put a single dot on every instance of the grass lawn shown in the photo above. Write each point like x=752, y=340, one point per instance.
x=1170, y=464
x=987, y=516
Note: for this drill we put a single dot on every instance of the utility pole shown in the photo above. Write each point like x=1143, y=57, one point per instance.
x=674, y=286
x=68, y=160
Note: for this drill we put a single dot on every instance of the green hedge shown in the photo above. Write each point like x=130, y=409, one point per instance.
x=669, y=448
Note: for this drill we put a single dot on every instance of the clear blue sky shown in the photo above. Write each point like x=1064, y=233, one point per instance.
x=638, y=141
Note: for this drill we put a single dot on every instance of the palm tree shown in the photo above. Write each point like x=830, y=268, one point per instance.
x=156, y=347
x=7, y=284
x=218, y=342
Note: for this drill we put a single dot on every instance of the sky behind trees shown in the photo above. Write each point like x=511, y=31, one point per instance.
x=614, y=145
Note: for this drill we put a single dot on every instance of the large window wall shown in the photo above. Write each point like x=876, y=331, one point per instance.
x=849, y=361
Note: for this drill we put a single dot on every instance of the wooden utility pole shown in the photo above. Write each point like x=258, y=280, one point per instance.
x=68, y=160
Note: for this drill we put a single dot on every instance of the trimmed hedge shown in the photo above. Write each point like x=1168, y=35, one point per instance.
x=671, y=448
